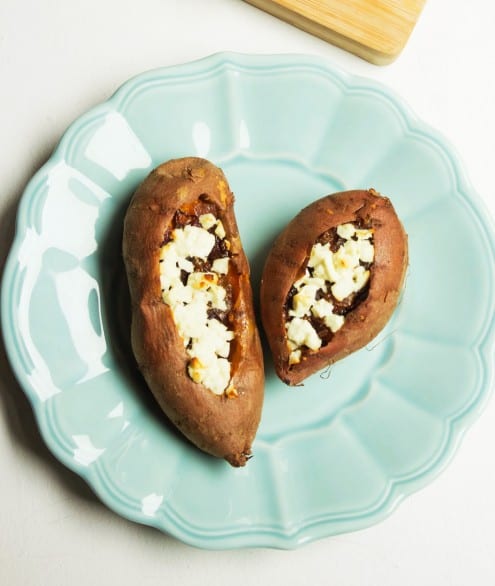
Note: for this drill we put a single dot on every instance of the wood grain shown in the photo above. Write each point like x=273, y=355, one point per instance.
x=376, y=30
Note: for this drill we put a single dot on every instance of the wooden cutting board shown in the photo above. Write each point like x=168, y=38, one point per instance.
x=376, y=30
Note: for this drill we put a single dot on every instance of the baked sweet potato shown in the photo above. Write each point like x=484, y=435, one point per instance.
x=332, y=281
x=193, y=330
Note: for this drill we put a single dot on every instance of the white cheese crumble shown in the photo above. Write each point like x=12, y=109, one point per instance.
x=207, y=340
x=324, y=310
x=193, y=241
x=221, y=265
x=302, y=333
x=208, y=221
x=341, y=272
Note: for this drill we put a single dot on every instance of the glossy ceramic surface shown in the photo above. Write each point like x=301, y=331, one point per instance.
x=333, y=456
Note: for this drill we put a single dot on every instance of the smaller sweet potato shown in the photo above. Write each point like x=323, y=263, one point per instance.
x=332, y=281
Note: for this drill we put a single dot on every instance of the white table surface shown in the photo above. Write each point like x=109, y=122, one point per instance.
x=58, y=59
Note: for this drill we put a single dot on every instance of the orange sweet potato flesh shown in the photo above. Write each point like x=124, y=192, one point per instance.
x=221, y=425
x=287, y=261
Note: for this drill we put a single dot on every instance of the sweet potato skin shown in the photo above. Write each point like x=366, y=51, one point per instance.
x=219, y=425
x=287, y=260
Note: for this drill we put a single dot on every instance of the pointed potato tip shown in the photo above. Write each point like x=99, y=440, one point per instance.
x=239, y=460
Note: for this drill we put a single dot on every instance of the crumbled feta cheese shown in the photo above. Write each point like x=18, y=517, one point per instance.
x=339, y=268
x=334, y=322
x=343, y=287
x=192, y=241
x=169, y=268
x=307, y=279
x=350, y=248
x=301, y=332
x=366, y=251
x=207, y=340
x=364, y=234
x=221, y=265
x=220, y=230
x=346, y=231
x=202, y=281
x=303, y=300
x=215, y=375
x=321, y=261
x=177, y=294
x=216, y=297
x=207, y=221
x=186, y=265
x=360, y=276
x=213, y=340
x=322, y=308
x=342, y=272
x=207, y=283
x=190, y=317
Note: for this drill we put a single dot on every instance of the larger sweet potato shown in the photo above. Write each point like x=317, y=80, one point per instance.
x=193, y=329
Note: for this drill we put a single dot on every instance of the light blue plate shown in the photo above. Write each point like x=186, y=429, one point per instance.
x=334, y=456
